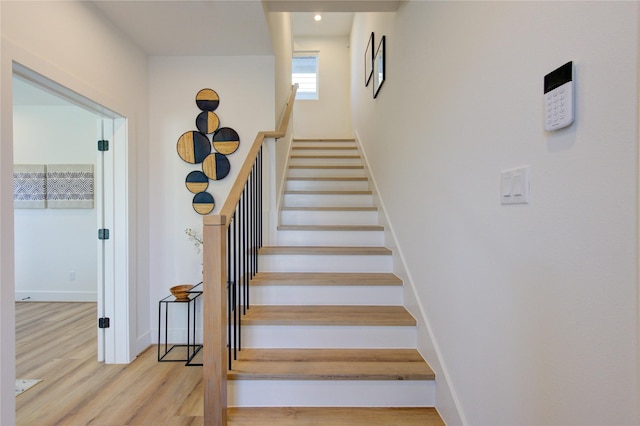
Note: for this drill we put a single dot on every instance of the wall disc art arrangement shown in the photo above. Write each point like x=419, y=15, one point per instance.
x=208, y=146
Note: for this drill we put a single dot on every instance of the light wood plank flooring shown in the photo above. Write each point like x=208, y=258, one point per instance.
x=56, y=342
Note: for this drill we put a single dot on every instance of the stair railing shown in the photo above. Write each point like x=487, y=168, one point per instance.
x=232, y=239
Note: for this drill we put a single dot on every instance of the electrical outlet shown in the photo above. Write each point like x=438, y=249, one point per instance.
x=72, y=275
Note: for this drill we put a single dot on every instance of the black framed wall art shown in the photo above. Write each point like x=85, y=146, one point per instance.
x=379, y=67
x=368, y=61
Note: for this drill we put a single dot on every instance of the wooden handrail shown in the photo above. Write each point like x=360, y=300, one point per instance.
x=215, y=360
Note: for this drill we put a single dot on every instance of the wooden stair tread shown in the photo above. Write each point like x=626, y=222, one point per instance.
x=328, y=192
x=333, y=416
x=330, y=228
x=328, y=178
x=330, y=355
x=325, y=279
x=328, y=315
x=330, y=209
x=333, y=148
x=327, y=167
x=331, y=364
x=325, y=157
x=322, y=140
x=325, y=250
x=330, y=370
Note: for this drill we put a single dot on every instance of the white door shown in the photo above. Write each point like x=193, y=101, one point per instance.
x=112, y=235
x=103, y=187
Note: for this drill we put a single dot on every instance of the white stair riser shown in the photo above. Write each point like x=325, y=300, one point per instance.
x=326, y=295
x=310, y=172
x=331, y=238
x=327, y=185
x=331, y=393
x=323, y=150
x=327, y=336
x=311, y=161
x=327, y=263
x=328, y=200
x=335, y=217
x=298, y=144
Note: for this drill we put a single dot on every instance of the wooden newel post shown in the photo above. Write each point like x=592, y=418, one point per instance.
x=215, y=363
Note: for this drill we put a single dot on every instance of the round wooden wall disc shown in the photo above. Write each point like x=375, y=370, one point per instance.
x=207, y=100
x=226, y=140
x=216, y=166
x=197, y=182
x=203, y=203
x=193, y=147
x=207, y=122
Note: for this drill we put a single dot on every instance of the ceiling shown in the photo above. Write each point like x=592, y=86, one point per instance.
x=213, y=28
x=332, y=5
x=333, y=24
x=226, y=27
x=191, y=27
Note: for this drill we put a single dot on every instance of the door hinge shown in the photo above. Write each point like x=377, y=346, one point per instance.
x=103, y=322
x=103, y=145
x=103, y=234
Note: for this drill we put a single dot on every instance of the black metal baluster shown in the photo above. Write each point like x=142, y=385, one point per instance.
x=244, y=239
x=238, y=283
x=229, y=281
x=250, y=254
x=244, y=242
x=254, y=240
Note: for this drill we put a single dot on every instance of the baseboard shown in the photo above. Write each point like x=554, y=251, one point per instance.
x=143, y=342
x=56, y=296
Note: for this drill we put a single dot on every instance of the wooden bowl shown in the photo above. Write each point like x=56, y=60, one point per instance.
x=180, y=291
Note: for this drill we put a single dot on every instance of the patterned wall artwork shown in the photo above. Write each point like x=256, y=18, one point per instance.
x=29, y=186
x=208, y=146
x=70, y=186
x=55, y=186
x=197, y=181
x=193, y=147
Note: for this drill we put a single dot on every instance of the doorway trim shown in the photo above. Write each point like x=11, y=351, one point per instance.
x=115, y=285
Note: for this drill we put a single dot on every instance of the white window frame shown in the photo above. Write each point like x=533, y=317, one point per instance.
x=304, y=92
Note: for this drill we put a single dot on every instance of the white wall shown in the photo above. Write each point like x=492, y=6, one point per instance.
x=246, y=89
x=329, y=116
x=281, y=37
x=72, y=45
x=533, y=309
x=51, y=243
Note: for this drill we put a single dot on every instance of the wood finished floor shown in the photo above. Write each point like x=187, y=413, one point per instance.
x=56, y=342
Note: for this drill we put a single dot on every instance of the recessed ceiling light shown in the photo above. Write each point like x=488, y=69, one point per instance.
x=318, y=17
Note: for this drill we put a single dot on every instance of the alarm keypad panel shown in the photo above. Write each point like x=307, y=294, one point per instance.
x=559, y=98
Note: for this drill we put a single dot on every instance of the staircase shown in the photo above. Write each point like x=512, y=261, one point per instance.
x=327, y=340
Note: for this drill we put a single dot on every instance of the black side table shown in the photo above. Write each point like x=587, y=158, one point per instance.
x=191, y=348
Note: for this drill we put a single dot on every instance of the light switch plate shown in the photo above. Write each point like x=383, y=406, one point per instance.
x=515, y=186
